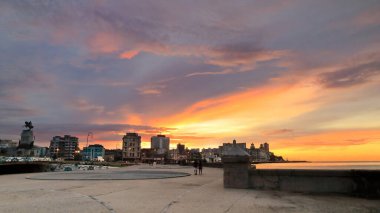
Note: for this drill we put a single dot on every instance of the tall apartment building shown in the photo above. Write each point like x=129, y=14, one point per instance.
x=181, y=149
x=64, y=147
x=131, y=146
x=160, y=144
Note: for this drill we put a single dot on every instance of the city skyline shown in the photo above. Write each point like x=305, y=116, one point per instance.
x=301, y=75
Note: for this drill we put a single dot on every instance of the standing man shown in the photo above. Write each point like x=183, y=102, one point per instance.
x=200, y=166
x=195, y=165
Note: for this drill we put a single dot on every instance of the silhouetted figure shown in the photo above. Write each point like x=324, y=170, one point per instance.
x=200, y=167
x=195, y=165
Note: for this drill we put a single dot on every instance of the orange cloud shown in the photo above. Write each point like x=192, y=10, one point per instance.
x=129, y=54
x=134, y=119
x=104, y=43
x=250, y=108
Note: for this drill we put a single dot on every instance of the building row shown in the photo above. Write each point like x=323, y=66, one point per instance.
x=159, y=147
x=67, y=148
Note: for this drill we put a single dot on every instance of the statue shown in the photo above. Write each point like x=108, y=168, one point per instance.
x=28, y=125
x=27, y=137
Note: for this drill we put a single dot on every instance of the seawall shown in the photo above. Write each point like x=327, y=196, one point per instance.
x=362, y=183
x=14, y=168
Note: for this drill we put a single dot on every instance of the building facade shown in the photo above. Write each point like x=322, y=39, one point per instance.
x=8, y=147
x=228, y=146
x=261, y=154
x=113, y=155
x=160, y=144
x=211, y=155
x=65, y=147
x=5, y=144
x=181, y=149
x=93, y=152
x=131, y=146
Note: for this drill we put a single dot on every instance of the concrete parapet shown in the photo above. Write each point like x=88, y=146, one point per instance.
x=363, y=183
x=236, y=172
x=236, y=166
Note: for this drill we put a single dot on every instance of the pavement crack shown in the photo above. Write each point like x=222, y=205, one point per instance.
x=235, y=201
x=107, y=193
x=176, y=200
x=105, y=205
x=109, y=208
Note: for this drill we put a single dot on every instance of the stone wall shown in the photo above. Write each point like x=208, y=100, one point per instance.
x=363, y=183
x=239, y=174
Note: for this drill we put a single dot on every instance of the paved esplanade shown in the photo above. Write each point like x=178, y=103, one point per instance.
x=184, y=194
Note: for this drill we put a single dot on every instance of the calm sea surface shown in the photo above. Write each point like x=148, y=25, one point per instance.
x=374, y=165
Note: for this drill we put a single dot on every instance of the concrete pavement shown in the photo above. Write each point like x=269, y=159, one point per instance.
x=203, y=193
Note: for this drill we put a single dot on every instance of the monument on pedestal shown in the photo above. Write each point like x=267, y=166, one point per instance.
x=27, y=137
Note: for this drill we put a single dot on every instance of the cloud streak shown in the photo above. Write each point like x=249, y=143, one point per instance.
x=351, y=76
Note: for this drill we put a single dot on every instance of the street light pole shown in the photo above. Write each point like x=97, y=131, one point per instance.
x=89, y=134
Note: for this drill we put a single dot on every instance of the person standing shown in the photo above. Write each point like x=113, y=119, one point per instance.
x=200, y=166
x=195, y=165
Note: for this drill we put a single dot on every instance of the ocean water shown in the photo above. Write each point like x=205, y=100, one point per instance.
x=341, y=165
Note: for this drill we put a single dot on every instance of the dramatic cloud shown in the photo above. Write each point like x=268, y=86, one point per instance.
x=200, y=72
x=351, y=76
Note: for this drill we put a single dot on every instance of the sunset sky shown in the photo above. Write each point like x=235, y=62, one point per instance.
x=303, y=76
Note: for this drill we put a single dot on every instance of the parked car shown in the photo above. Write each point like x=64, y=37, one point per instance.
x=67, y=169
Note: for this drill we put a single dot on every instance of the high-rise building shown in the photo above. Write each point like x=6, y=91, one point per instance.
x=131, y=146
x=160, y=144
x=181, y=149
x=64, y=147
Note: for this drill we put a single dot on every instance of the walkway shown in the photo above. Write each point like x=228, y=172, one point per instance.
x=183, y=194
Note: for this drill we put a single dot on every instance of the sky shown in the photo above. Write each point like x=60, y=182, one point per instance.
x=303, y=76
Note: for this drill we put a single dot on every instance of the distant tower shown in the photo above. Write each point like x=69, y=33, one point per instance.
x=181, y=149
x=266, y=147
x=160, y=143
x=252, y=146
